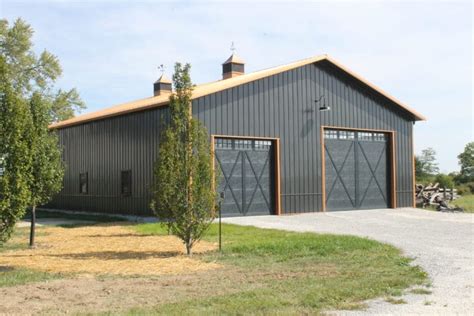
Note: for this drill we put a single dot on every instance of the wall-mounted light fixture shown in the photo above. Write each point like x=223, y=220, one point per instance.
x=323, y=106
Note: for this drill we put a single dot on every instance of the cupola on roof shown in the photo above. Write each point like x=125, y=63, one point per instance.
x=234, y=66
x=162, y=86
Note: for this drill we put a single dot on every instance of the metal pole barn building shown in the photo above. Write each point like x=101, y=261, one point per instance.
x=308, y=136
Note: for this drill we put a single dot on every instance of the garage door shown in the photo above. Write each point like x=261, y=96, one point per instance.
x=246, y=176
x=357, y=170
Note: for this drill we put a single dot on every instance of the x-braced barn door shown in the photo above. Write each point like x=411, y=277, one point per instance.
x=357, y=170
x=246, y=176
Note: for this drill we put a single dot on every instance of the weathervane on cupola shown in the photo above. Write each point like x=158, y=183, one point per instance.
x=162, y=85
x=161, y=68
x=234, y=66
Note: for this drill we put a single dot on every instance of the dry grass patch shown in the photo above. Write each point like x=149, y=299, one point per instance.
x=107, y=249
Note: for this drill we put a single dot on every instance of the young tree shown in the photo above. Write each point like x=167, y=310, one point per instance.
x=418, y=168
x=183, y=193
x=15, y=158
x=466, y=161
x=28, y=73
x=47, y=170
x=425, y=164
x=28, y=82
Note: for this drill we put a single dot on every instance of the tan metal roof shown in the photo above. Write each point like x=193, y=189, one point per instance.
x=213, y=87
x=234, y=59
x=163, y=79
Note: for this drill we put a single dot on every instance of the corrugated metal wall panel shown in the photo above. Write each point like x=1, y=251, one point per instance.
x=286, y=101
x=103, y=149
x=278, y=106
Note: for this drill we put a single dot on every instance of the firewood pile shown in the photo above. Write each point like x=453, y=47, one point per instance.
x=436, y=196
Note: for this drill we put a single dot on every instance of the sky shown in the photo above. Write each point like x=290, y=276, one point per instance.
x=421, y=52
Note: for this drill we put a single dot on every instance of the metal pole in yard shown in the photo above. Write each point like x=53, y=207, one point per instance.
x=222, y=196
x=220, y=230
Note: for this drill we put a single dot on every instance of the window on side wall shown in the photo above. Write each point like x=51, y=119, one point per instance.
x=126, y=182
x=83, y=183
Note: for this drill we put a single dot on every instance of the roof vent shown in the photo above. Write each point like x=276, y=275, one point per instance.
x=233, y=67
x=162, y=86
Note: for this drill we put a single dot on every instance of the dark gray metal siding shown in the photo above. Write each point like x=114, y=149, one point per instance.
x=103, y=149
x=283, y=106
x=277, y=106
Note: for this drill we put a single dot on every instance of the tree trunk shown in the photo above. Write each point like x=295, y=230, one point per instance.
x=33, y=224
x=189, y=251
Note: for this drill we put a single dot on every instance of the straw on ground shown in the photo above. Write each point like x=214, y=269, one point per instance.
x=107, y=249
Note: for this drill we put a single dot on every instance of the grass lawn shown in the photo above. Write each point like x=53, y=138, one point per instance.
x=466, y=202
x=294, y=273
x=10, y=276
x=260, y=271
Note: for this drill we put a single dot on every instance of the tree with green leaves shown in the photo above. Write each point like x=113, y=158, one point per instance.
x=47, y=170
x=466, y=161
x=184, y=198
x=425, y=164
x=444, y=181
x=29, y=73
x=29, y=105
x=15, y=158
x=418, y=168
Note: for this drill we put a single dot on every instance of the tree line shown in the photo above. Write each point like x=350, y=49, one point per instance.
x=427, y=170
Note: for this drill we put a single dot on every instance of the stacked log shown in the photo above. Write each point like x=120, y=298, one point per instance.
x=432, y=194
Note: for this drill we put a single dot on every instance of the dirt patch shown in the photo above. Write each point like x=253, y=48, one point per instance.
x=107, y=249
x=86, y=294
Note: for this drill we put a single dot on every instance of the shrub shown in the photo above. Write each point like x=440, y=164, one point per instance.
x=466, y=188
x=444, y=181
x=425, y=180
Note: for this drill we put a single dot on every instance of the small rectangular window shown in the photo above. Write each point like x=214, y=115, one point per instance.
x=224, y=143
x=346, y=135
x=242, y=144
x=365, y=136
x=126, y=182
x=330, y=134
x=379, y=137
x=262, y=144
x=83, y=183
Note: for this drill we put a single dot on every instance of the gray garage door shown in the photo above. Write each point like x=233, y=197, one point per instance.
x=246, y=176
x=357, y=170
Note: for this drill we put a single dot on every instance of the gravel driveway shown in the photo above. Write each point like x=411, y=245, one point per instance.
x=442, y=243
